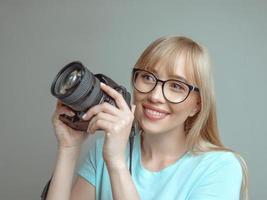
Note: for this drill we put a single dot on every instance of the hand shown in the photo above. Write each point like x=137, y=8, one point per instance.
x=116, y=123
x=66, y=136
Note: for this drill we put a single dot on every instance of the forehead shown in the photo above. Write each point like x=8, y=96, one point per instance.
x=166, y=71
x=171, y=67
x=169, y=58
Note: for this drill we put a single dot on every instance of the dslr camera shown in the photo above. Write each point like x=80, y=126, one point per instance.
x=79, y=89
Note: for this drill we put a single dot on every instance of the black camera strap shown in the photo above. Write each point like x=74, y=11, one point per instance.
x=45, y=190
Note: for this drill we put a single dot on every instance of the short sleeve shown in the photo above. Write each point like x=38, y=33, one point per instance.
x=88, y=168
x=222, y=180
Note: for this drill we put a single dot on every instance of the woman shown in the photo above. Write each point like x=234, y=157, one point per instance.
x=177, y=154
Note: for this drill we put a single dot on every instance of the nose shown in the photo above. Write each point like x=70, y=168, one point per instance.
x=156, y=95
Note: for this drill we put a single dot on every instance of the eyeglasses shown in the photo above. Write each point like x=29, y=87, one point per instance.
x=173, y=90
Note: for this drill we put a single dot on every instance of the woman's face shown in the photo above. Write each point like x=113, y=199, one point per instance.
x=155, y=114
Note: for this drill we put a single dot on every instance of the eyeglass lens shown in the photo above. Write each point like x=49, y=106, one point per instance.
x=173, y=90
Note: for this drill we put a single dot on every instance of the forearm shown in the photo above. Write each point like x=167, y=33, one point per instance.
x=122, y=184
x=61, y=183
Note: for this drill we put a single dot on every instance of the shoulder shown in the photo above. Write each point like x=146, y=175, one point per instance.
x=217, y=158
x=222, y=158
x=222, y=163
x=217, y=174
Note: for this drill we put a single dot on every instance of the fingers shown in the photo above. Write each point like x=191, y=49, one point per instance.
x=120, y=101
x=103, y=116
x=104, y=107
x=98, y=122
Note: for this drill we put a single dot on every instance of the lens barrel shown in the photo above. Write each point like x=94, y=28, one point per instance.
x=83, y=93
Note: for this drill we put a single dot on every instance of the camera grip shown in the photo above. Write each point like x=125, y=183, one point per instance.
x=74, y=122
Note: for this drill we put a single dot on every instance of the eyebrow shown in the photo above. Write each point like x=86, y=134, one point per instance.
x=176, y=77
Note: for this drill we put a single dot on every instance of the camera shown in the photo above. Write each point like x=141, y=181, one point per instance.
x=79, y=89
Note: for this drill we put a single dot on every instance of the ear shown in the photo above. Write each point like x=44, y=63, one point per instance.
x=195, y=110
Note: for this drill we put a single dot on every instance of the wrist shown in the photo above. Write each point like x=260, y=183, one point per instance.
x=69, y=152
x=116, y=165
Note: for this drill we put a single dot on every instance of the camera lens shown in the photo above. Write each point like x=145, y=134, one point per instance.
x=70, y=81
x=77, y=87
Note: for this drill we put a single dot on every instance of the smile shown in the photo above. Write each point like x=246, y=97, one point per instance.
x=154, y=113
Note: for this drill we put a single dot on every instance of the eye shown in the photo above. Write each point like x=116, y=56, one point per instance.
x=147, y=77
x=176, y=86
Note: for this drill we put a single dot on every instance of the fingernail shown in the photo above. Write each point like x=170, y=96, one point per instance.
x=84, y=116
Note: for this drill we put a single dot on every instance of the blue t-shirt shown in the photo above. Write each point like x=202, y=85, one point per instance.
x=209, y=176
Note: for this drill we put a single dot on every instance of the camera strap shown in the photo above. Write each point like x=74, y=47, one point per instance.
x=45, y=190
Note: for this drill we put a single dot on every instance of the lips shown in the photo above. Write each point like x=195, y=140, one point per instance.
x=153, y=113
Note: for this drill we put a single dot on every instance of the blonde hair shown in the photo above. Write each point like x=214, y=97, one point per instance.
x=202, y=131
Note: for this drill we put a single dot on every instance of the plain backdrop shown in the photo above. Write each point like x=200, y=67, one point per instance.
x=37, y=38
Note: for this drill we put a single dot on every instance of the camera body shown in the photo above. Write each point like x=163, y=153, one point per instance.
x=79, y=89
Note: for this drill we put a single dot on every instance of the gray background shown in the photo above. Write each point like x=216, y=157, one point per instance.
x=37, y=38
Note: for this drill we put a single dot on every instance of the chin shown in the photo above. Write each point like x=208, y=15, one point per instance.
x=154, y=128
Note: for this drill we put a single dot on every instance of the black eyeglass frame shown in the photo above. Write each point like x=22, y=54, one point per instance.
x=190, y=87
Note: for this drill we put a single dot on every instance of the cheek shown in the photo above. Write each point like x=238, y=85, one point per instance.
x=183, y=110
x=180, y=111
x=137, y=100
x=137, y=97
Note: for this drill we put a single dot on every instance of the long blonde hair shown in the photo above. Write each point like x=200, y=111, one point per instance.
x=202, y=131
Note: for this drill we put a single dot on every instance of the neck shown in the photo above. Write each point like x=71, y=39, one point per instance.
x=164, y=146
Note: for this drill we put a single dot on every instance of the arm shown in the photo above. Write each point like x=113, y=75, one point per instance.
x=83, y=190
x=61, y=183
x=122, y=183
x=69, y=145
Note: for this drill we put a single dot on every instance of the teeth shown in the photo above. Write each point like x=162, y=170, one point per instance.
x=153, y=112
